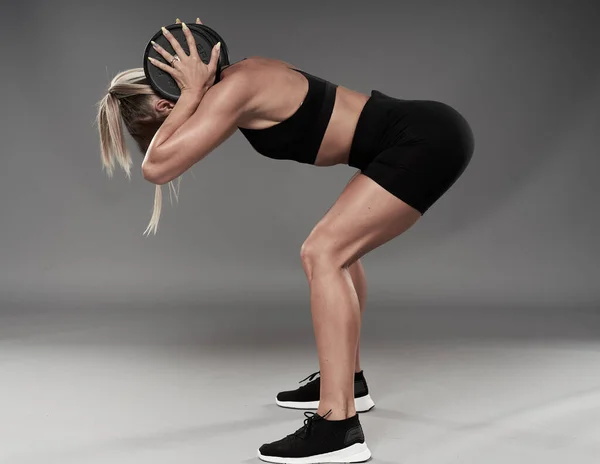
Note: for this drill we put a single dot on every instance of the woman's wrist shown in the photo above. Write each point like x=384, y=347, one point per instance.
x=194, y=95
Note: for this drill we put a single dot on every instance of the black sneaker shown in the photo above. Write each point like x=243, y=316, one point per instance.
x=320, y=440
x=307, y=396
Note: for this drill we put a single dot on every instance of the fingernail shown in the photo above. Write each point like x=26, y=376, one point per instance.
x=198, y=20
x=178, y=20
x=153, y=43
x=184, y=26
x=219, y=46
x=164, y=30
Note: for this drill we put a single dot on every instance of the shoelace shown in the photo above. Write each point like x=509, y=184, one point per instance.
x=311, y=418
x=311, y=377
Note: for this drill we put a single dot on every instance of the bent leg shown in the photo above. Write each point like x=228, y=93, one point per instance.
x=364, y=217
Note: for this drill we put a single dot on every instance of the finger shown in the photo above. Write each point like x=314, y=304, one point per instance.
x=178, y=21
x=159, y=64
x=190, y=41
x=198, y=21
x=162, y=52
x=174, y=43
x=214, y=57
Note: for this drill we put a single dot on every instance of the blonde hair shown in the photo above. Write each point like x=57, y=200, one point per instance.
x=129, y=102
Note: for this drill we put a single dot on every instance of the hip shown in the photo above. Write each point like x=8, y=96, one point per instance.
x=433, y=127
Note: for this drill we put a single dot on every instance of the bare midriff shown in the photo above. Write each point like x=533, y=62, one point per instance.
x=337, y=141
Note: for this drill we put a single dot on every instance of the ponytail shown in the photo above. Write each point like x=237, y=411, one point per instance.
x=112, y=139
x=129, y=102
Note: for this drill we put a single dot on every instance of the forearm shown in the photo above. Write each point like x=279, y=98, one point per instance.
x=181, y=112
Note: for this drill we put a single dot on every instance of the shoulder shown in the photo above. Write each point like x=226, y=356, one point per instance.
x=238, y=88
x=239, y=84
x=234, y=88
x=248, y=85
x=228, y=99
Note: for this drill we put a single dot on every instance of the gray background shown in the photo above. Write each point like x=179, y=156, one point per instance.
x=91, y=311
x=520, y=226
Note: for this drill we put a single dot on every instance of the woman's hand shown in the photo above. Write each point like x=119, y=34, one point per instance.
x=189, y=71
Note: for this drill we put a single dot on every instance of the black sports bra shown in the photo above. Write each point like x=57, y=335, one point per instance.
x=299, y=137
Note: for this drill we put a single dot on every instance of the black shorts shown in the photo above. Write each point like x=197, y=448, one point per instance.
x=415, y=149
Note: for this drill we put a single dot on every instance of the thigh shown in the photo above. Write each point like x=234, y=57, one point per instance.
x=419, y=174
x=364, y=217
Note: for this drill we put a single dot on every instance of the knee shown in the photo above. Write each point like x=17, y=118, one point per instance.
x=318, y=252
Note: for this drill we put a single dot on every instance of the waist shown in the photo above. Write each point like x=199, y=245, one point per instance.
x=337, y=140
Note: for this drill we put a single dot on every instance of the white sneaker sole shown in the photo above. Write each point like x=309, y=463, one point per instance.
x=362, y=404
x=358, y=452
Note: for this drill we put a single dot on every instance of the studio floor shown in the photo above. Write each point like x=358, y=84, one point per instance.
x=129, y=384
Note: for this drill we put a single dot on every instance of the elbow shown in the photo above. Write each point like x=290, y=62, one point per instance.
x=152, y=174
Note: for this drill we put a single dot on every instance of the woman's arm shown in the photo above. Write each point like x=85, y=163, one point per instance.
x=181, y=112
x=214, y=120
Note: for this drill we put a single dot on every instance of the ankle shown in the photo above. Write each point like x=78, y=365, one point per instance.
x=336, y=413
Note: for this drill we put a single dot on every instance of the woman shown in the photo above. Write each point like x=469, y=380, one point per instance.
x=409, y=153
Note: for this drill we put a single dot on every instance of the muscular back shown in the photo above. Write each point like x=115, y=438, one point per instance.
x=276, y=93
